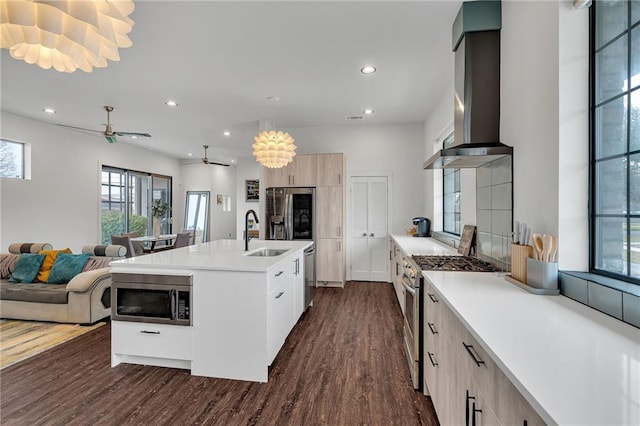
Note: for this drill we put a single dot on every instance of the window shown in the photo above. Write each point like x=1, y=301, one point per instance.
x=451, y=195
x=11, y=159
x=127, y=197
x=615, y=139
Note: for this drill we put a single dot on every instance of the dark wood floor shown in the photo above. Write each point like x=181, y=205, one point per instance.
x=343, y=364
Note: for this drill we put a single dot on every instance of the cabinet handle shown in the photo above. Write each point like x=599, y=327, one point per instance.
x=472, y=353
x=431, y=358
x=293, y=179
x=475, y=410
x=371, y=235
x=364, y=234
x=339, y=178
x=149, y=332
x=339, y=245
x=467, y=407
x=339, y=232
x=279, y=295
x=279, y=273
x=432, y=328
x=433, y=298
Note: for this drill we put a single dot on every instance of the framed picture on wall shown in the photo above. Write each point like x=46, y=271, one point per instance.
x=252, y=189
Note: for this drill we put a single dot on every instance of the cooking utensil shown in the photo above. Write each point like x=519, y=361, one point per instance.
x=547, y=243
x=554, y=249
x=521, y=233
x=516, y=234
x=537, y=246
x=527, y=237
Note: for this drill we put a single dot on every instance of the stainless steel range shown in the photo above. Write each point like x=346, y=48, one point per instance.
x=413, y=282
x=453, y=263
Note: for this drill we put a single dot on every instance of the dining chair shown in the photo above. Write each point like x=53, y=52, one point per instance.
x=192, y=233
x=124, y=241
x=138, y=247
x=183, y=239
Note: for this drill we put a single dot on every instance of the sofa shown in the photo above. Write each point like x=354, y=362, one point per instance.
x=84, y=299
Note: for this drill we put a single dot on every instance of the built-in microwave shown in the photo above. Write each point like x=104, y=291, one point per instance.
x=154, y=298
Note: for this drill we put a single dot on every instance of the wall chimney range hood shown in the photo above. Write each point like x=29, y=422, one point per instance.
x=476, y=43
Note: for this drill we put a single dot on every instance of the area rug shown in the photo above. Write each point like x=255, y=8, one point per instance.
x=20, y=340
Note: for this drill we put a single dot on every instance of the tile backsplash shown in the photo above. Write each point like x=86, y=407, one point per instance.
x=494, y=211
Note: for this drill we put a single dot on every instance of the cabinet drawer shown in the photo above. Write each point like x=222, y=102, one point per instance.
x=277, y=275
x=280, y=318
x=152, y=340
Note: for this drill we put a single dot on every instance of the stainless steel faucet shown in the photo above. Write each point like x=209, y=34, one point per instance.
x=246, y=228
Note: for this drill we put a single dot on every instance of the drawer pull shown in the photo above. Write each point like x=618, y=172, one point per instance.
x=433, y=298
x=472, y=353
x=431, y=358
x=432, y=328
x=149, y=332
x=279, y=295
x=475, y=410
x=467, y=407
x=279, y=273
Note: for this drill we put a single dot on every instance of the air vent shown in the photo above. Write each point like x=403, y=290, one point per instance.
x=353, y=117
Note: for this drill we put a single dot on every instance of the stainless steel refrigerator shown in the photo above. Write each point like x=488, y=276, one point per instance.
x=290, y=215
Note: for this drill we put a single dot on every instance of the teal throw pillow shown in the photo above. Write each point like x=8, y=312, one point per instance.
x=66, y=267
x=27, y=268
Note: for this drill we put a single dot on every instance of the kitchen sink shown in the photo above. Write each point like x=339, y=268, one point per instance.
x=267, y=252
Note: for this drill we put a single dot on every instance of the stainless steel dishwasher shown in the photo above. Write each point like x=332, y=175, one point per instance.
x=309, y=275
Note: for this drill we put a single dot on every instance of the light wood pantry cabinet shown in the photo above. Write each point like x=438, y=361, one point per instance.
x=329, y=208
x=330, y=261
x=300, y=172
x=465, y=384
x=330, y=169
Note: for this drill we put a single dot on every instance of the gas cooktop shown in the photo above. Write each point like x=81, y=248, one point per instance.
x=452, y=263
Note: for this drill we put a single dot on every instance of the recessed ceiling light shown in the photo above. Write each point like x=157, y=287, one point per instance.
x=49, y=110
x=368, y=111
x=233, y=161
x=368, y=70
x=171, y=103
x=226, y=133
x=190, y=154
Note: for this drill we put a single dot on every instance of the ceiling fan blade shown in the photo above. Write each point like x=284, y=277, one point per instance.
x=80, y=128
x=214, y=163
x=144, y=135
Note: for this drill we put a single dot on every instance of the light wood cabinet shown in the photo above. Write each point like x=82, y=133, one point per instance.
x=330, y=170
x=299, y=173
x=329, y=211
x=465, y=384
x=330, y=261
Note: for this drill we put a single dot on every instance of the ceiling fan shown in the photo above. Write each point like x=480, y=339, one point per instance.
x=205, y=160
x=108, y=132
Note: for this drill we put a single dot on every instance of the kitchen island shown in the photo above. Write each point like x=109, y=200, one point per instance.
x=241, y=308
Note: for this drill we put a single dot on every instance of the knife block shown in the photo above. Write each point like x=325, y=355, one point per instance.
x=519, y=256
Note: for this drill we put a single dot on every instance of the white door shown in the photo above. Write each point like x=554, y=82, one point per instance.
x=369, y=235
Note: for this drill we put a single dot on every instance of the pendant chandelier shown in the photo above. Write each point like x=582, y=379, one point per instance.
x=274, y=149
x=66, y=34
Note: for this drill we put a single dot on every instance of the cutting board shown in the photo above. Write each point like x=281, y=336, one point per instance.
x=466, y=239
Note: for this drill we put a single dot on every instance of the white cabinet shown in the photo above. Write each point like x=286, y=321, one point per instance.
x=157, y=344
x=279, y=315
x=300, y=172
x=330, y=169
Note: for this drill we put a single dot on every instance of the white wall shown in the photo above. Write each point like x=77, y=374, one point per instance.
x=60, y=204
x=218, y=180
x=395, y=149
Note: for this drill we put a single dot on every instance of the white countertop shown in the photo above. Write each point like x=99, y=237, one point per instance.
x=572, y=363
x=422, y=246
x=223, y=255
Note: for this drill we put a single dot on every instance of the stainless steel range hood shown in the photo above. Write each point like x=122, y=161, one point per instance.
x=476, y=43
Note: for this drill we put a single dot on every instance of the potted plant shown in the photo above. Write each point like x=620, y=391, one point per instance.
x=158, y=211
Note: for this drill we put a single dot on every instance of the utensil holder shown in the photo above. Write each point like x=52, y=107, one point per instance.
x=542, y=275
x=519, y=256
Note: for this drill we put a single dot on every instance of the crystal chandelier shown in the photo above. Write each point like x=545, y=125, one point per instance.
x=66, y=34
x=274, y=149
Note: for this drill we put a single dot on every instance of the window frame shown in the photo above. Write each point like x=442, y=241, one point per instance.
x=447, y=141
x=594, y=104
x=23, y=162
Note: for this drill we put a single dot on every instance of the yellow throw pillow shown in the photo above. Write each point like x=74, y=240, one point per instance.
x=47, y=264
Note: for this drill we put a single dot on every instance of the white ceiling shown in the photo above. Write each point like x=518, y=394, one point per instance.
x=221, y=61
